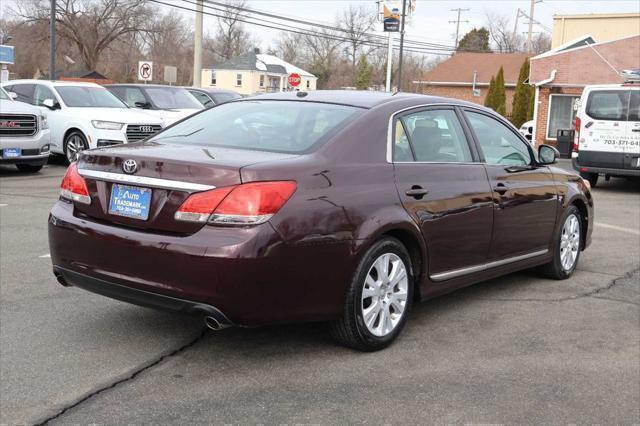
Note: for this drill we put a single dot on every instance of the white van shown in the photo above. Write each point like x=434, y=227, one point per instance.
x=607, y=126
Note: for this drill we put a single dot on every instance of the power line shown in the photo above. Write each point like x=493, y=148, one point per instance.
x=301, y=31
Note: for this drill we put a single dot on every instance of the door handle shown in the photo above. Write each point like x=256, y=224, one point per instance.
x=635, y=130
x=501, y=188
x=417, y=192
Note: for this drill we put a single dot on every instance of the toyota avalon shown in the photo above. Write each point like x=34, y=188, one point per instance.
x=345, y=207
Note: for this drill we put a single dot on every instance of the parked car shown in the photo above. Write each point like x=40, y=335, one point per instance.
x=322, y=206
x=24, y=135
x=527, y=131
x=83, y=115
x=607, y=132
x=211, y=97
x=168, y=103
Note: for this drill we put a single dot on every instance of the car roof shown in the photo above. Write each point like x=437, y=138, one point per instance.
x=142, y=86
x=357, y=98
x=52, y=83
x=621, y=86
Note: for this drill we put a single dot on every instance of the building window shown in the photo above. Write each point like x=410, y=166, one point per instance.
x=213, y=78
x=262, y=81
x=561, y=114
x=238, y=79
x=308, y=84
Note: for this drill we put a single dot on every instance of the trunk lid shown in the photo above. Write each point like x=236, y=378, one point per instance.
x=164, y=176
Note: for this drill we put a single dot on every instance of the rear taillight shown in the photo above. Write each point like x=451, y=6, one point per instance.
x=247, y=204
x=576, y=136
x=74, y=187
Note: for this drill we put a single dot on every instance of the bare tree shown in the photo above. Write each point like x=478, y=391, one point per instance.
x=231, y=38
x=92, y=25
x=287, y=48
x=356, y=22
x=540, y=43
x=502, y=34
x=321, y=54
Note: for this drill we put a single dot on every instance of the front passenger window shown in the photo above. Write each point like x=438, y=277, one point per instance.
x=499, y=144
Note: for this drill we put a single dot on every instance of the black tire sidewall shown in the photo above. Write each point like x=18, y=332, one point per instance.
x=571, y=210
x=69, y=136
x=387, y=245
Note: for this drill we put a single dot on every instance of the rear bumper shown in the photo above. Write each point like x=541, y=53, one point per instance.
x=138, y=297
x=249, y=274
x=585, y=168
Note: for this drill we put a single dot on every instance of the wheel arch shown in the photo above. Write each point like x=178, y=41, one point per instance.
x=408, y=233
x=584, y=218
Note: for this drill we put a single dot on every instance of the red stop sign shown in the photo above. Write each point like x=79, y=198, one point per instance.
x=294, y=79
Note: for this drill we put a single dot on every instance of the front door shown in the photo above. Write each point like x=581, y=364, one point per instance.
x=443, y=188
x=525, y=197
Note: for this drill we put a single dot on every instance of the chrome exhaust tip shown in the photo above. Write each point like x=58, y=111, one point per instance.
x=213, y=323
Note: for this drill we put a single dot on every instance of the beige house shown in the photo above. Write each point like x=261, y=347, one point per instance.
x=602, y=27
x=254, y=73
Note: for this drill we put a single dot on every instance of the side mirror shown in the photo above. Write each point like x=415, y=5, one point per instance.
x=547, y=154
x=51, y=104
x=13, y=95
x=143, y=105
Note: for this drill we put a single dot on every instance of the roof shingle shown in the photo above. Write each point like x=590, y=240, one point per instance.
x=461, y=66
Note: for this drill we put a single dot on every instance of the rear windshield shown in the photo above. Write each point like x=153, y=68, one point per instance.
x=172, y=98
x=278, y=126
x=608, y=105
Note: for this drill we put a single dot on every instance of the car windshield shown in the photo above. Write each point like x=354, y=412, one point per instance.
x=172, y=98
x=277, y=126
x=4, y=96
x=87, y=96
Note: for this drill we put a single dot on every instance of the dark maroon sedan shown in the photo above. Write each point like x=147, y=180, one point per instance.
x=324, y=206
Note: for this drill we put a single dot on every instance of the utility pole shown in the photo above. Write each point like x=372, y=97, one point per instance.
x=52, y=42
x=389, y=62
x=530, y=32
x=197, y=46
x=403, y=17
x=457, y=22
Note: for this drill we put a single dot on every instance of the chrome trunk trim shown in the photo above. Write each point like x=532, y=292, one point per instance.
x=145, y=181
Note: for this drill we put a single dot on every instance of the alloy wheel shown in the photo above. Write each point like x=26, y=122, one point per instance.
x=75, y=145
x=569, y=242
x=384, y=295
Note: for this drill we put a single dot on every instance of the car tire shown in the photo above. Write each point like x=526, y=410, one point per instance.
x=591, y=177
x=374, y=311
x=28, y=168
x=74, y=143
x=567, y=242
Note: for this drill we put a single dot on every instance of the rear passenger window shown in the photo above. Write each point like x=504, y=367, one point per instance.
x=608, y=105
x=436, y=136
x=499, y=144
x=401, y=148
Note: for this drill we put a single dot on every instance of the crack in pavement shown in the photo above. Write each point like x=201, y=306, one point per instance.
x=591, y=293
x=128, y=378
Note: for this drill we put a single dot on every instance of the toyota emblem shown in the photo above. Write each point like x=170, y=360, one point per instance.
x=129, y=166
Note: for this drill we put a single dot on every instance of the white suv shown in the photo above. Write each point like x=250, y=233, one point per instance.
x=83, y=115
x=24, y=135
x=607, y=132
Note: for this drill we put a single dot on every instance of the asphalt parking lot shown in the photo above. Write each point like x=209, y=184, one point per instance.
x=519, y=349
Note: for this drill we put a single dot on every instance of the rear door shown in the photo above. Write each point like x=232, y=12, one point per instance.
x=444, y=188
x=524, y=195
x=604, y=128
x=632, y=148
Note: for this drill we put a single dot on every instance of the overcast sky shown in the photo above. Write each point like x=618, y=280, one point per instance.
x=431, y=20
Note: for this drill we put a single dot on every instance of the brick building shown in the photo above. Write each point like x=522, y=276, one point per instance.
x=560, y=75
x=466, y=76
